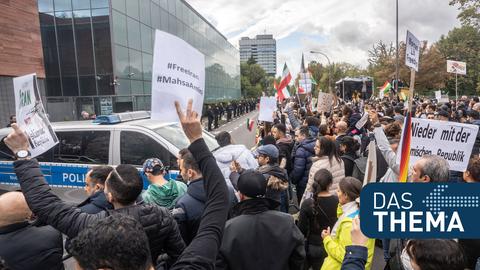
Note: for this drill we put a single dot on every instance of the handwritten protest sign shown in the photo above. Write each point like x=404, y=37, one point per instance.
x=450, y=140
x=325, y=102
x=178, y=74
x=413, y=51
x=267, y=106
x=31, y=116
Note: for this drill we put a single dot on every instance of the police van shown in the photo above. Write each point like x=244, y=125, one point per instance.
x=123, y=138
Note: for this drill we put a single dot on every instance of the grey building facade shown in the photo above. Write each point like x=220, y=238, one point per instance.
x=98, y=54
x=263, y=48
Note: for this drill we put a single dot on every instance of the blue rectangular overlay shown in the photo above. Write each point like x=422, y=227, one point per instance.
x=420, y=210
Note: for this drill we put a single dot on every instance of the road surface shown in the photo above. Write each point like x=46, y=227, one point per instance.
x=238, y=129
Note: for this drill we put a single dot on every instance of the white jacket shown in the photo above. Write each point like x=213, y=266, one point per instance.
x=391, y=176
x=336, y=168
x=229, y=153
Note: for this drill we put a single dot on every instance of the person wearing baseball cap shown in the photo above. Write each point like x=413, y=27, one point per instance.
x=161, y=191
x=277, y=178
x=259, y=229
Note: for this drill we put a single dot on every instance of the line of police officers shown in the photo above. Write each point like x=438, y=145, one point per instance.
x=232, y=109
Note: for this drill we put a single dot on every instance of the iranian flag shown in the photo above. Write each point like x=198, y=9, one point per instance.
x=281, y=93
x=386, y=87
x=286, y=78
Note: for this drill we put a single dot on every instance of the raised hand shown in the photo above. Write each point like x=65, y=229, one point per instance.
x=326, y=233
x=17, y=139
x=358, y=238
x=190, y=121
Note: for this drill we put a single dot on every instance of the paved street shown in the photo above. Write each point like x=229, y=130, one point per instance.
x=238, y=129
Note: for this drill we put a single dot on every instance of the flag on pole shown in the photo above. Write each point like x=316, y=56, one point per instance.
x=386, y=87
x=311, y=77
x=281, y=94
x=405, y=148
x=286, y=77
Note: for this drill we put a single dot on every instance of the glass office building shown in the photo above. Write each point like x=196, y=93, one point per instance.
x=98, y=54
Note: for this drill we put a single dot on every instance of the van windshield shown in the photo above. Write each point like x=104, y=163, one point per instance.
x=174, y=134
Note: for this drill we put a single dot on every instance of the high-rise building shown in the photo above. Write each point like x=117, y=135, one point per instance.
x=263, y=48
x=96, y=55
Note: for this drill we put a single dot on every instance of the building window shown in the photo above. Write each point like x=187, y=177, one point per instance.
x=132, y=8
x=133, y=28
x=66, y=50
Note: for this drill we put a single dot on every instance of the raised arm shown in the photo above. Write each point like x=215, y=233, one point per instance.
x=203, y=250
x=48, y=207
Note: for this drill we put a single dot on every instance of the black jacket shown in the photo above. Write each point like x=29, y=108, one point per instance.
x=159, y=225
x=349, y=163
x=24, y=246
x=302, y=161
x=97, y=202
x=275, y=171
x=203, y=250
x=261, y=238
x=189, y=209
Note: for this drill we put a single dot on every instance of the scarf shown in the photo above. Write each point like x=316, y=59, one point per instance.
x=347, y=210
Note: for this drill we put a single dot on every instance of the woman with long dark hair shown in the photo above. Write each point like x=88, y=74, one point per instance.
x=349, y=147
x=326, y=157
x=317, y=214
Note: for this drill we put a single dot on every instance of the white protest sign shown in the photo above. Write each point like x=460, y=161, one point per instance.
x=412, y=53
x=360, y=123
x=178, y=74
x=325, y=102
x=444, y=99
x=450, y=140
x=371, y=169
x=31, y=116
x=438, y=95
x=456, y=67
x=268, y=105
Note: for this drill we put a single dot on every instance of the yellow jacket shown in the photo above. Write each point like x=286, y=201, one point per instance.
x=335, y=246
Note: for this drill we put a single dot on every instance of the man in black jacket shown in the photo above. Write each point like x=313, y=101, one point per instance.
x=203, y=250
x=23, y=245
x=94, y=186
x=189, y=208
x=260, y=237
x=122, y=188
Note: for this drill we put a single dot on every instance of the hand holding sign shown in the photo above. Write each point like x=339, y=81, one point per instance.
x=190, y=121
x=17, y=140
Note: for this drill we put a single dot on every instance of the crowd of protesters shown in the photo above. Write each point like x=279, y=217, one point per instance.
x=228, y=111
x=232, y=209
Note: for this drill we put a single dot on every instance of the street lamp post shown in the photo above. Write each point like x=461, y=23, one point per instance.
x=329, y=71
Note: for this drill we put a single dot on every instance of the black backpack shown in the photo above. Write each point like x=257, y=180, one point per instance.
x=360, y=168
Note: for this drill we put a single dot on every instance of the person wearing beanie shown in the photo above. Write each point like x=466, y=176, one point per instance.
x=258, y=229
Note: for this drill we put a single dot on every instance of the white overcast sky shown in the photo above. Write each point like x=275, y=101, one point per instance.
x=343, y=29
